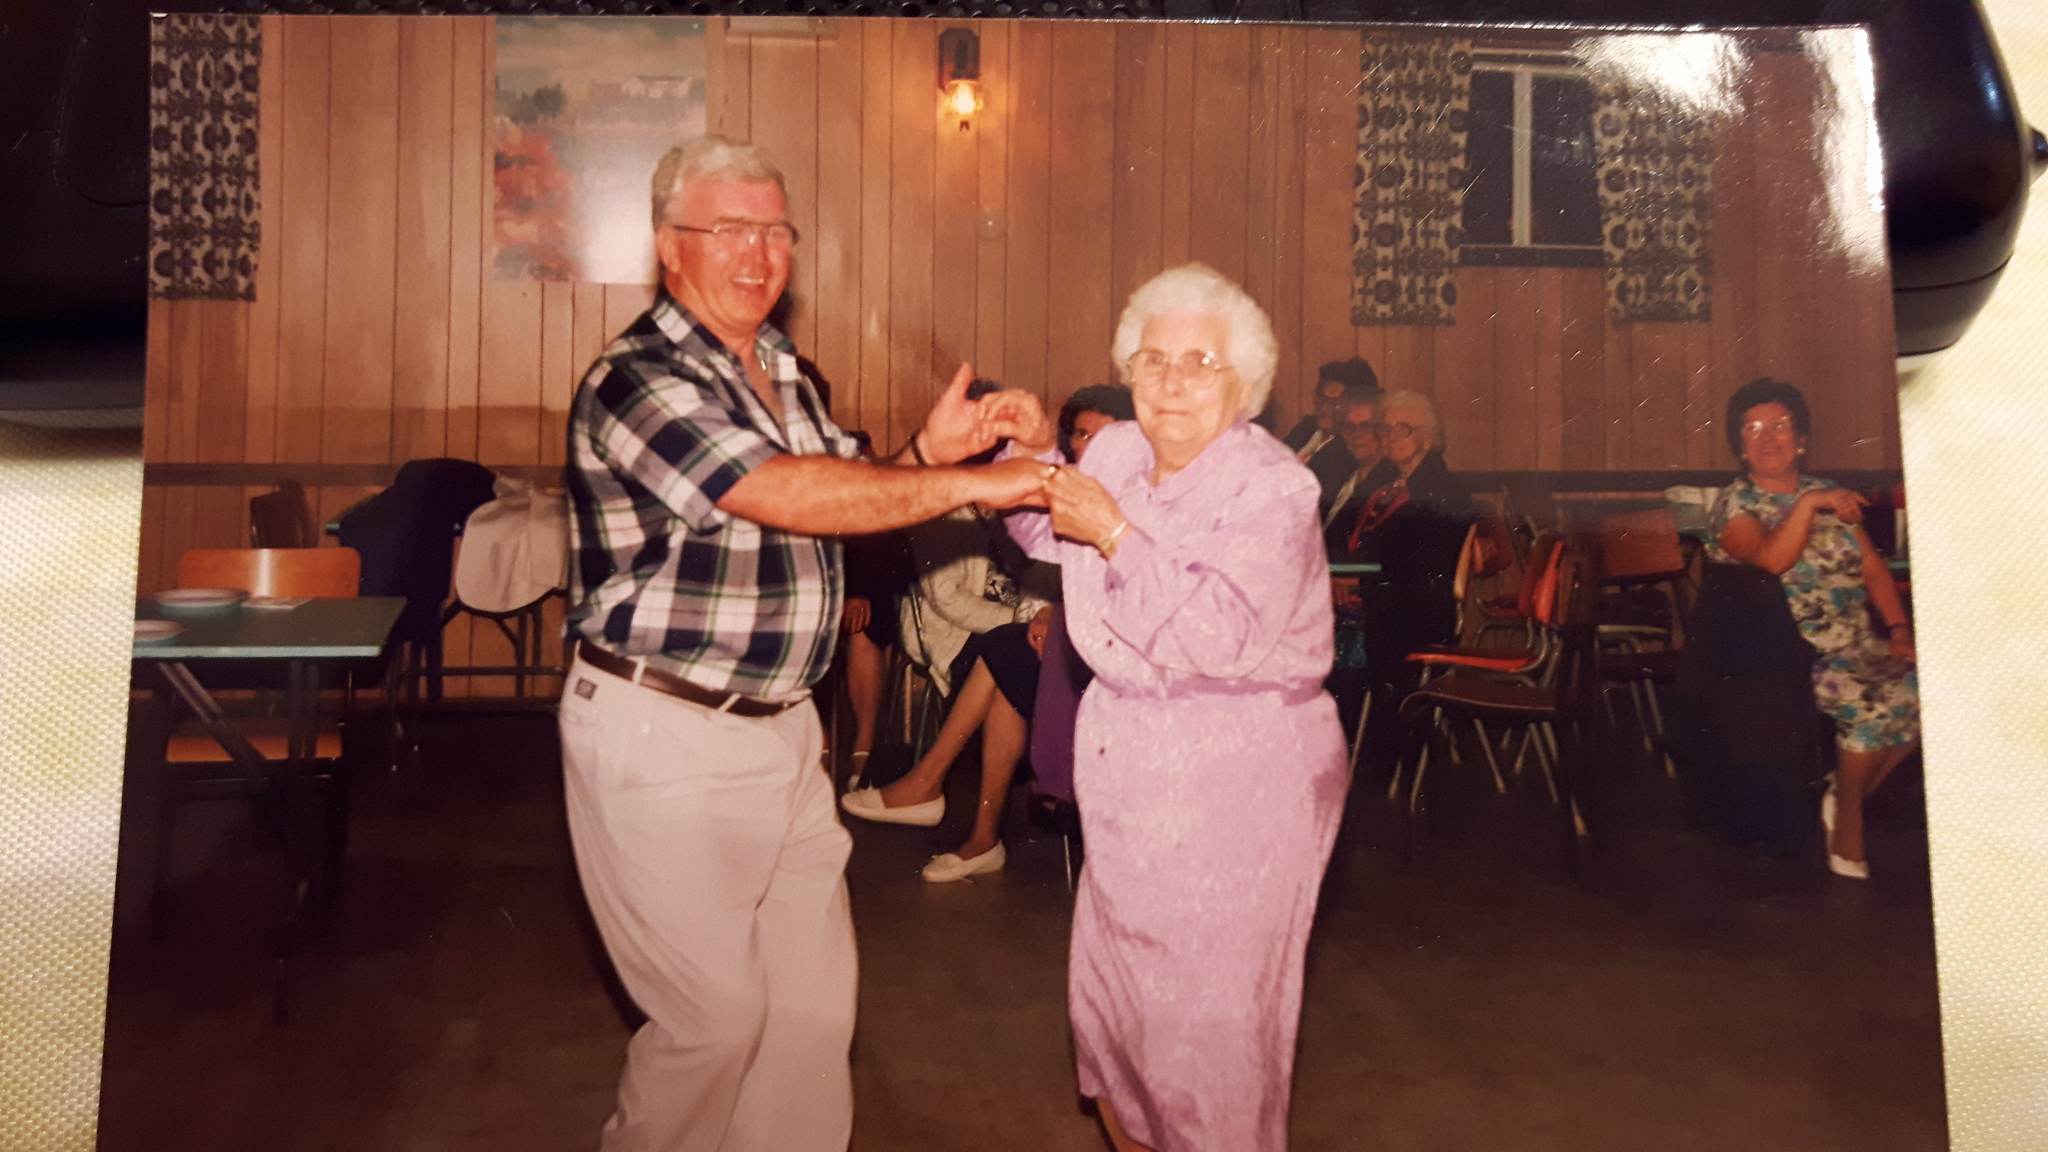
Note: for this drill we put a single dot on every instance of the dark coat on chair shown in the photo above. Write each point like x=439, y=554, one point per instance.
x=406, y=535
x=1743, y=728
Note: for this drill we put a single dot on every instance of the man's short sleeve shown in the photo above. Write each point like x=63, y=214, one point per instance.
x=678, y=438
x=838, y=443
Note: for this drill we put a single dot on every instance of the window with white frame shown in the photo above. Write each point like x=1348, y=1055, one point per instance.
x=1532, y=196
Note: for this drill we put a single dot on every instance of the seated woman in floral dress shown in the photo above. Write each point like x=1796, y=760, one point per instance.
x=1808, y=532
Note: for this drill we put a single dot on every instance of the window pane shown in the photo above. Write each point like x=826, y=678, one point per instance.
x=1489, y=205
x=1564, y=201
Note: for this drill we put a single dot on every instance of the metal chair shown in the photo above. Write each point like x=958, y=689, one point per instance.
x=1561, y=699
x=914, y=698
x=1529, y=662
x=1640, y=615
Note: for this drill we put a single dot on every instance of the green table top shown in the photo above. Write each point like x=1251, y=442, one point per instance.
x=324, y=629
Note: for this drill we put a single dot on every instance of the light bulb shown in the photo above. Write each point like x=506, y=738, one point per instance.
x=963, y=98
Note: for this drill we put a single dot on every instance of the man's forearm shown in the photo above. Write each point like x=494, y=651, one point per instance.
x=827, y=496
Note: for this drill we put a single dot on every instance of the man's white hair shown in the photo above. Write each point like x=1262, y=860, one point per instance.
x=1251, y=349
x=1432, y=427
x=709, y=158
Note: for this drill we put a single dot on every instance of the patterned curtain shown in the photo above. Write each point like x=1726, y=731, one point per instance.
x=1656, y=165
x=203, y=229
x=1409, y=185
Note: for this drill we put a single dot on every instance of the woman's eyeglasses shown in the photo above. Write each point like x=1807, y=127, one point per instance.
x=1779, y=426
x=1397, y=430
x=1195, y=368
x=778, y=234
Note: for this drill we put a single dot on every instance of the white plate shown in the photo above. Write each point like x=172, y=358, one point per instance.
x=274, y=603
x=175, y=598
x=150, y=631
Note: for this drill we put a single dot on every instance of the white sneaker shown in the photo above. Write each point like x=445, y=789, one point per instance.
x=868, y=805
x=949, y=866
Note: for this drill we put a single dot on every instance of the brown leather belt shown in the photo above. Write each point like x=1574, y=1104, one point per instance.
x=626, y=669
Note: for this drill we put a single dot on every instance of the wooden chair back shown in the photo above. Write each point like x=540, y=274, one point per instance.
x=1639, y=545
x=281, y=519
x=1538, y=594
x=1494, y=549
x=1577, y=576
x=324, y=572
x=1461, y=578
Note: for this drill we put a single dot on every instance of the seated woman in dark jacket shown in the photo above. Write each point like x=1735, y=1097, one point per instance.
x=1408, y=516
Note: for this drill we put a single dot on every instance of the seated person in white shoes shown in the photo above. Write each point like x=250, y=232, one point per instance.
x=967, y=577
x=996, y=692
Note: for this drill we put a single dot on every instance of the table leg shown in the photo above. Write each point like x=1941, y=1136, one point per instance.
x=163, y=718
x=208, y=711
x=302, y=697
x=302, y=708
x=519, y=660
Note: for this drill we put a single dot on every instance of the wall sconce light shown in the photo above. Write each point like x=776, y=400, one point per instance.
x=960, y=73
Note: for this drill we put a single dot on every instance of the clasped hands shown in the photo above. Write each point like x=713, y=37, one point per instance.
x=1844, y=504
x=957, y=428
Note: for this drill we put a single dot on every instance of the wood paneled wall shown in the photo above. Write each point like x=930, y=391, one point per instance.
x=1106, y=152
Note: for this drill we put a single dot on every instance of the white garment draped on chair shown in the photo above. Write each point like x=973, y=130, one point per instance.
x=515, y=549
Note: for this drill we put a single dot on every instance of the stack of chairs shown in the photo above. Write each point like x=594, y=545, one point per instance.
x=1541, y=688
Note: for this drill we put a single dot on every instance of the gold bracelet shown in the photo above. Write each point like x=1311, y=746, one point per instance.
x=1103, y=544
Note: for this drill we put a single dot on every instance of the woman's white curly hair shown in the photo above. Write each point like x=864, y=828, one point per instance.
x=1252, y=350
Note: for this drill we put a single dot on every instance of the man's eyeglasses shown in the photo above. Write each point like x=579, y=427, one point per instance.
x=1779, y=426
x=778, y=234
x=1195, y=368
x=1372, y=426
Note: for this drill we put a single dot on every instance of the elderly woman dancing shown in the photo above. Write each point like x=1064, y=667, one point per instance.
x=1209, y=765
x=1808, y=532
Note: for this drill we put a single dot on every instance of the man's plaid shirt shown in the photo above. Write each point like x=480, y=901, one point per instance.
x=663, y=425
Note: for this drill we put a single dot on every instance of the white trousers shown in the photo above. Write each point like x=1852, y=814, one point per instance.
x=712, y=856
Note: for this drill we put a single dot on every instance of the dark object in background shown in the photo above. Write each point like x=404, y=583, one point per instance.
x=74, y=181
x=73, y=162
x=1742, y=726
x=406, y=535
x=282, y=519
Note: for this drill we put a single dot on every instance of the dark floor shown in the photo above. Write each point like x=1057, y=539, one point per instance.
x=1688, y=995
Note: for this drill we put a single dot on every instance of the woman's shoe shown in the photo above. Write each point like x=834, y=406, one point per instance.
x=1852, y=869
x=949, y=866
x=868, y=805
x=1839, y=865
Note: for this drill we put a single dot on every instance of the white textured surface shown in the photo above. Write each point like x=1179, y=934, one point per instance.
x=1975, y=424
x=69, y=510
